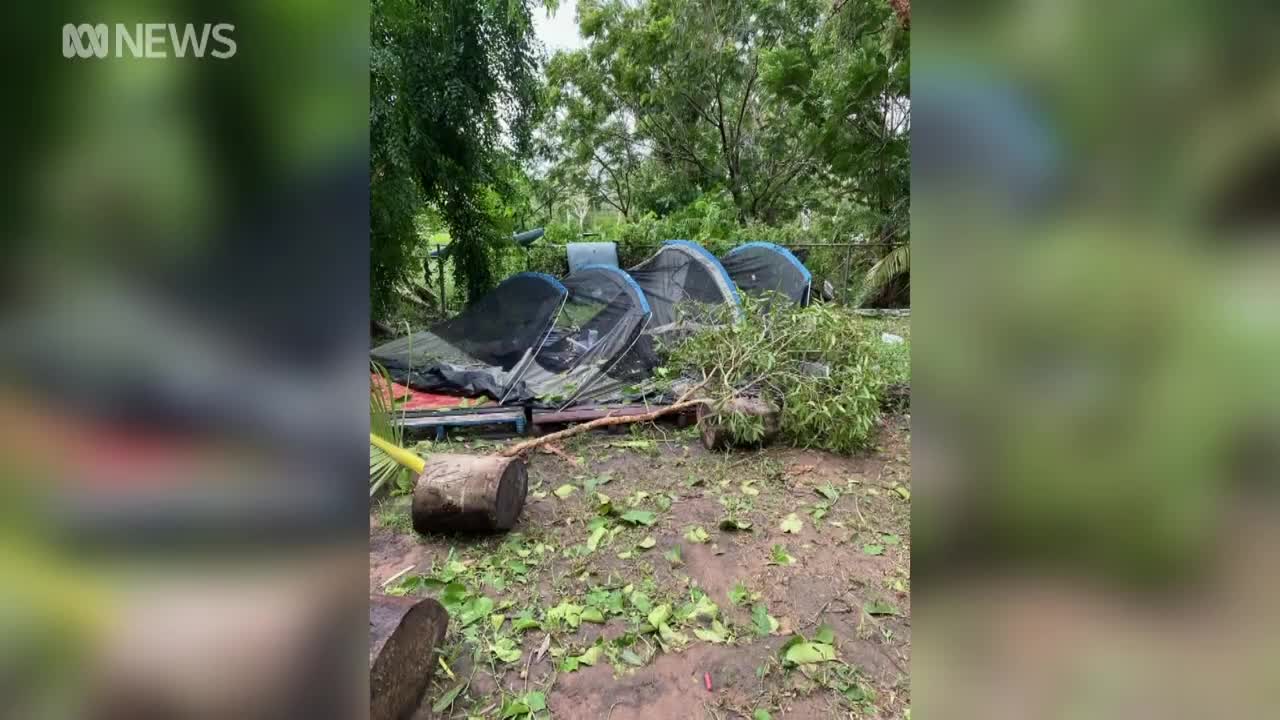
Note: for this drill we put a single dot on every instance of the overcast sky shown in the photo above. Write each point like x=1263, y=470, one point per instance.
x=559, y=32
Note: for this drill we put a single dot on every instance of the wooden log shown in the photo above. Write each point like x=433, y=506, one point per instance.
x=715, y=432
x=403, y=636
x=469, y=493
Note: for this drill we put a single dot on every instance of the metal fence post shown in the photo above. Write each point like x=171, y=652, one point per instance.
x=848, y=263
x=444, y=306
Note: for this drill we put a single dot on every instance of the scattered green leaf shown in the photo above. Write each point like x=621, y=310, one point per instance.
x=762, y=622
x=639, y=517
x=446, y=700
x=697, y=535
x=778, y=555
x=791, y=524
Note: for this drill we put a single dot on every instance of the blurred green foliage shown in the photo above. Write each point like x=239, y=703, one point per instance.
x=1090, y=364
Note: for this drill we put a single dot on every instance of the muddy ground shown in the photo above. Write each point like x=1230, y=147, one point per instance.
x=564, y=617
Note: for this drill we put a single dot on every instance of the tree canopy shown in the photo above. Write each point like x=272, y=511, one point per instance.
x=774, y=117
x=761, y=99
x=453, y=94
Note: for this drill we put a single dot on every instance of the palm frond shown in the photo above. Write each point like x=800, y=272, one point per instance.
x=895, y=263
x=383, y=470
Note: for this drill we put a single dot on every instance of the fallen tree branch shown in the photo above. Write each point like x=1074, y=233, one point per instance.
x=605, y=421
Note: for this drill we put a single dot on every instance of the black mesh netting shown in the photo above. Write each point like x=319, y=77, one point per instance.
x=686, y=287
x=759, y=267
x=603, y=316
x=683, y=282
x=487, y=349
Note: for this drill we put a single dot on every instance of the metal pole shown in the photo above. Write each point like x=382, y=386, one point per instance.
x=848, y=261
x=444, y=306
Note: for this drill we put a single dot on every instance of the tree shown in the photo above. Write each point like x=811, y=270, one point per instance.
x=453, y=94
x=857, y=88
x=593, y=131
x=764, y=100
x=679, y=82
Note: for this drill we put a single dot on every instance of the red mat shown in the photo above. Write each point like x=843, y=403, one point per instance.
x=409, y=399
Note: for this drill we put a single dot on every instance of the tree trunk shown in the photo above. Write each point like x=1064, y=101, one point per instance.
x=403, y=636
x=469, y=493
x=715, y=432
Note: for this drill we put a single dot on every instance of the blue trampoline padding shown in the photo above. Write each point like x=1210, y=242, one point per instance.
x=644, y=301
x=728, y=281
x=549, y=279
x=781, y=251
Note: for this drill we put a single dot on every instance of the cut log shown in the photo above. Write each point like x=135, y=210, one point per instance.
x=469, y=493
x=403, y=636
x=715, y=433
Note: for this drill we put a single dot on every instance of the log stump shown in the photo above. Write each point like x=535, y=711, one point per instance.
x=403, y=636
x=469, y=493
x=715, y=433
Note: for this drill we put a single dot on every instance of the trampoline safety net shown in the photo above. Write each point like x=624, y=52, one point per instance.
x=760, y=267
x=591, y=336
x=487, y=348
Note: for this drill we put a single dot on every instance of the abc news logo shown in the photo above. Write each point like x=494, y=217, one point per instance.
x=148, y=40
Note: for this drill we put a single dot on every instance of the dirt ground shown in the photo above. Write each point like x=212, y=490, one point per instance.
x=557, y=618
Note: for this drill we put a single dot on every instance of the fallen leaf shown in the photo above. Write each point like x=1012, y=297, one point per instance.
x=659, y=615
x=697, y=535
x=506, y=650
x=565, y=491
x=778, y=555
x=447, y=699
x=639, y=517
x=593, y=542
x=590, y=657
x=791, y=524
x=717, y=633
x=808, y=653
x=763, y=623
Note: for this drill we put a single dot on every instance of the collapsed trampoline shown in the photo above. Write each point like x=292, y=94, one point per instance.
x=589, y=336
